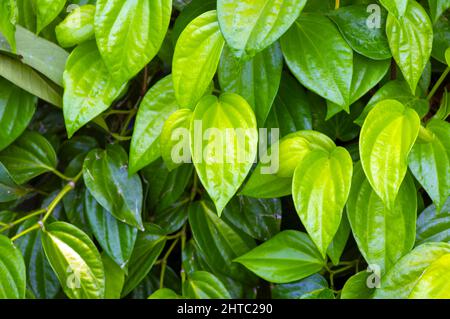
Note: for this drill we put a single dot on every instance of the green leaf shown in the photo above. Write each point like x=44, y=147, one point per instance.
x=360, y=29
x=158, y=104
x=89, y=89
x=219, y=242
x=75, y=260
x=258, y=218
x=9, y=190
x=434, y=225
x=299, y=289
x=383, y=235
x=105, y=174
x=130, y=33
x=8, y=21
x=288, y=256
x=400, y=281
x=224, y=141
x=114, y=278
x=320, y=188
x=429, y=161
x=339, y=242
x=441, y=38
x=41, y=279
x=251, y=26
x=356, y=287
x=256, y=80
x=396, y=7
x=17, y=108
x=174, y=143
x=27, y=17
x=204, y=285
x=77, y=27
x=437, y=8
x=29, y=156
x=410, y=39
x=311, y=56
x=148, y=247
x=12, y=271
x=202, y=42
x=47, y=11
x=263, y=185
x=164, y=293
x=390, y=129
x=116, y=238
x=26, y=78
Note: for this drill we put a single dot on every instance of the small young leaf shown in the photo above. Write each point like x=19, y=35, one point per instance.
x=47, y=11
x=77, y=27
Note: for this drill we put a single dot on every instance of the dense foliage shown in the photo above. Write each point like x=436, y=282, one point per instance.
x=224, y=149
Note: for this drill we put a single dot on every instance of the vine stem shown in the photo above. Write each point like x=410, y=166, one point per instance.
x=337, y=5
x=164, y=262
x=61, y=175
x=20, y=220
x=438, y=83
x=183, y=245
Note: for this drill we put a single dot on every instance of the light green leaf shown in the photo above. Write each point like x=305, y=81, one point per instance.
x=47, y=11
x=75, y=260
x=17, y=108
x=256, y=80
x=204, y=285
x=250, y=26
x=8, y=18
x=77, y=27
x=12, y=271
x=114, y=278
x=158, y=104
x=29, y=156
x=202, y=42
x=356, y=286
x=396, y=7
x=387, y=136
x=129, y=34
x=429, y=161
x=311, y=55
x=224, y=158
x=106, y=176
x=383, y=235
x=320, y=188
x=441, y=38
x=434, y=225
x=164, y=293
x=288, y=256
x=339, y=242
x=89, y=89
x=410, y=39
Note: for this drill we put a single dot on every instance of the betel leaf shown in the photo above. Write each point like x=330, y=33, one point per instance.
x=365, y=35
x=164, y=293
x=174, y=141
x=356, y=287
x=410, y=39
x=105, y=174
x=387, y=136
x=149, y=245
x=77, y=27
x=396, y=7
x=256, y=80
x=114, y=278
x=288, y=256
x=441, y=38
x=383, y=235
x=311, y=55
x=250, y=26
x=224, y=142
x=158, y=104
x=219, y=242
x=130, y=33
x=299, y=289
x=12, y=271
x=434, y=225
x=75, y=260
x=320, y=188
x=339, y=241
x=29, y=156
x=429, y=161
x=437, y=8
x=26, y=78
x=202, y=42
x=8, y=21
x=40, y=276
x=17, y=108
x=89, y=89
x=400, y=281
x=204, y=285
x=46, y=12
x=116, y=238
x=27, y=17
x=9, y=190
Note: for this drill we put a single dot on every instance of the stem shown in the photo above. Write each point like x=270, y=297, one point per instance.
x=337, y=5
x=183, y=245
x=26, y=231
x=3, y=224
x=20, y=220
x=164, y=263
x=194, y=187
x=144, y=82
x=438, y=84
x=61, y=175
x=127, y=121
x=120, y=138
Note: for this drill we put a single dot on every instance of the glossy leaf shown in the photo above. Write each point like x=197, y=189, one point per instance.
x=441, y=38
x=114, y=278
x=12, y=271
x=77, y=27
x=130, y=33
x=105, y=174
x=396, y=7
x=8, y=21
x=356, y=287
x=224, y=142
x=339, y=241
x=434, y=225
x=251, y=26
x=158, y=104
x=387, y=136
x=299, y=289
x=437, y=8
x=75, y=260
x=47, y=11
x=164, y=293
x=201, y=41
x=288, y=256
x=9, y=190
x=204, y=285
